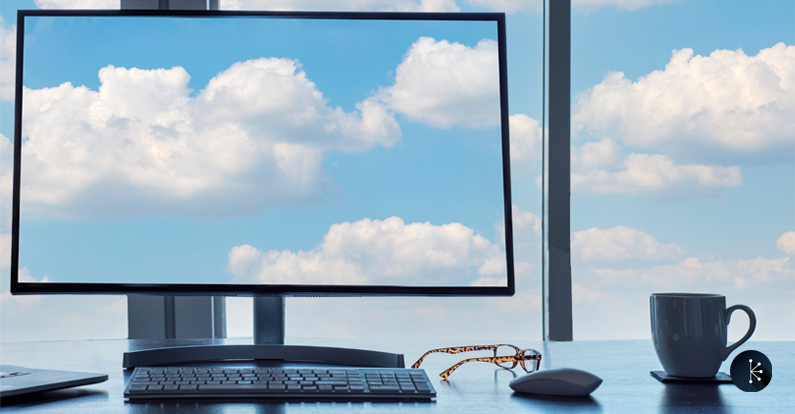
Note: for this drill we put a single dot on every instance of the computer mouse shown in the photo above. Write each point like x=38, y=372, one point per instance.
x=557, y=381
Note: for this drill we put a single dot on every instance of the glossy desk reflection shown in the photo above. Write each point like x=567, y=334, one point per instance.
x=473, y=388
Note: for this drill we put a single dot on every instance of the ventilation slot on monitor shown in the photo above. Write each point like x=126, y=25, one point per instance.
x=327, y=296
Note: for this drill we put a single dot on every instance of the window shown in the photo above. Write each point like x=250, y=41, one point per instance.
x=682, y=177
x=682, y=161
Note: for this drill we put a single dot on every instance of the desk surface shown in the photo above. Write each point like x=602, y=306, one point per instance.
x=475, y=387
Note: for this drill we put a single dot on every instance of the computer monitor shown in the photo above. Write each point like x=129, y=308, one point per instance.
x=261, y=154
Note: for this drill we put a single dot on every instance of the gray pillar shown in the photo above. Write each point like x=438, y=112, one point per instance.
x=559, y=280
x=269, y=320
x=170, y=317
x=146, y=317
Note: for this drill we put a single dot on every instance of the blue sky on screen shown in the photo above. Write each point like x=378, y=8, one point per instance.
x=249, y=172
x=682, y=172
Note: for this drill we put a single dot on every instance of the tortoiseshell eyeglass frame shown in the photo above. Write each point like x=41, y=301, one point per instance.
x=521, y=356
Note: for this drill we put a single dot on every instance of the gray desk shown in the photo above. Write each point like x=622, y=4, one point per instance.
x=474, y=388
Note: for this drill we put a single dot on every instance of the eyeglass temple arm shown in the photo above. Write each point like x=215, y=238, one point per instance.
x=458, y=350
x=494, y=360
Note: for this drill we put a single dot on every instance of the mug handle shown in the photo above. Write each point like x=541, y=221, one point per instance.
x=751, y=327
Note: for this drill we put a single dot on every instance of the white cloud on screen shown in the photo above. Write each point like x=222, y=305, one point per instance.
x=8, y=54
x=24, y=276
x=723, y=108
x=78, y=4
x=142, y=140
x=342, y=5
x=445, y=84
x=657, y=175
x=620, y=243
x=376, y=252
x=786, y=243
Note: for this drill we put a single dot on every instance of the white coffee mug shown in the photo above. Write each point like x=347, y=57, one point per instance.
x=689, y=332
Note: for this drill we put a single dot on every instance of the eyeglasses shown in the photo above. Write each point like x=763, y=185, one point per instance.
x=514, y=356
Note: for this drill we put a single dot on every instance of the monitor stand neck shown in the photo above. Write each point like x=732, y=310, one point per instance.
x=268, y=345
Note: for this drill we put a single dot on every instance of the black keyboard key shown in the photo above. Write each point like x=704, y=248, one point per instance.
x=234, y=388
x=385, y=388
x=319, y=383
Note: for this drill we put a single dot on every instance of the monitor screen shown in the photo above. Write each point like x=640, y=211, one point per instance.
x=261, y=153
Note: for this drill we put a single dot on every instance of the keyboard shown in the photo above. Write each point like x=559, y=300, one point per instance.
x=343, y=384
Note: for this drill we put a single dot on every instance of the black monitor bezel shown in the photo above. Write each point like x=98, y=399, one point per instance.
x=18, y=287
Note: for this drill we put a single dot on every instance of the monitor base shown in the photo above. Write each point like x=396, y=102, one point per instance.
x=293, y=353
x=268, y=345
